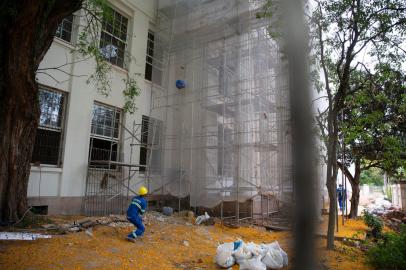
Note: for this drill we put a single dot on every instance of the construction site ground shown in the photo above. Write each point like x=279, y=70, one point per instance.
x=169, y=243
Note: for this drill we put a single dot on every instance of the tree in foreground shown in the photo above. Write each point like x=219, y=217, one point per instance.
x=27, y=31
x=350, y=37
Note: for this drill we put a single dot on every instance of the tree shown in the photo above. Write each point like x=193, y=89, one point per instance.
x=343, y=33
x=373, y=123
x=26, y=33
x=373, y=177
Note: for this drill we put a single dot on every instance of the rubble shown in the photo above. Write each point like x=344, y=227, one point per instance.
x=394, y=218
x=89, y=232
x=204, y=220
x=391, y=215
x=167, y=211
x=22, y=236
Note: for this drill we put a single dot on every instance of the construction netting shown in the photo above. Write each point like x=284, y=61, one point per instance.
x=225, y=135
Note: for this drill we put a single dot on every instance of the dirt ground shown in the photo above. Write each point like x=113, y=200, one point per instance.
x=172, y=243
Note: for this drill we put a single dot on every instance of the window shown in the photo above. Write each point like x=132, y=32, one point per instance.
x=48, y=141
x=154, y=60
x=105, y=133
x=64, y=30
x=150, y=55
x=113, y=39
x=151, y=130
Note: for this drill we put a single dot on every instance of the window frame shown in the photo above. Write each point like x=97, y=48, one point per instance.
x=118, y=39
x=61, y=129
x=61, y=24
x=110, y=139
x=146, y=123
x=148, y=56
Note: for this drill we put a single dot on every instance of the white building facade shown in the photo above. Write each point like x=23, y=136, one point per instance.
x=75, y=117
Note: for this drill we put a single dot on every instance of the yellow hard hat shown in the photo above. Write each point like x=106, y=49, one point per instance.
x=142, y=191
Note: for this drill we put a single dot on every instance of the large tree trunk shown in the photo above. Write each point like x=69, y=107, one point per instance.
x=355, y=182
x=355, y=190
x=331, y=181
x=26, y=33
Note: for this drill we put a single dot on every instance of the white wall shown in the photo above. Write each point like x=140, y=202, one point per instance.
x=69, y=179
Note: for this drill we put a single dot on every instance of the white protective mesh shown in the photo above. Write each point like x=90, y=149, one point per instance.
x=226, y=136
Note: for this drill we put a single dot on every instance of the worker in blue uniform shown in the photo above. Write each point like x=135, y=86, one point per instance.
x=136, y=209
x=341, y=192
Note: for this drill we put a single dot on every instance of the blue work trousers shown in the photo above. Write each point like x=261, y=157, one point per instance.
x=137, y=222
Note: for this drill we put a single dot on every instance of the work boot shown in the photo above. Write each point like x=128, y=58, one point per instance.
x=131, y=239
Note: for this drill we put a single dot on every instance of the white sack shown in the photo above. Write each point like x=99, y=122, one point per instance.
x=275, y=245
x=224, y=255
x=253, y=264
x=241, y=254
x=273, y=259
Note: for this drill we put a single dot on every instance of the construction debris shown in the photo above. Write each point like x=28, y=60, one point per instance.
x=89, y=232
x=167, y=211
x=394, y=218
x=201, y=219
x=379, y=206
x=49, y=226
x=22, y=236
x=251, y=256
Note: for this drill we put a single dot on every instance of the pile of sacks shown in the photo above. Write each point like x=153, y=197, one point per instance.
x=251, y=256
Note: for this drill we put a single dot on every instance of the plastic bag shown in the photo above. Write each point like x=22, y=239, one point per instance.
x=275, y=245
x=224, y=255
x=202, y=218
x=273, y=259
x=255, y=249
x=242, y=253
x=254, y=263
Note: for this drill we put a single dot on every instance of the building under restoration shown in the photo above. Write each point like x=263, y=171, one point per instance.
x=225, y=136
x=212, y=127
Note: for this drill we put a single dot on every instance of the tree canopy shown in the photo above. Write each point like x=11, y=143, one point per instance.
x=374, y=120
x=372, y=177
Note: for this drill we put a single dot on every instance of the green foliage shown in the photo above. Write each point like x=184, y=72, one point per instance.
x=374, y=120
x=372, y=176
x=390, y=251
x=97, y=12
x=374, y=223
x=130, y=92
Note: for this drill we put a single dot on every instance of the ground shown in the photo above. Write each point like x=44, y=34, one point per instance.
x=172, y=243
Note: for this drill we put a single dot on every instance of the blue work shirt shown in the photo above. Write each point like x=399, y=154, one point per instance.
x=137, y=207
x=340, y=193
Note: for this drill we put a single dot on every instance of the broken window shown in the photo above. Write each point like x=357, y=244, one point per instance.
x=64, y=30
x=105, y=133
x=113, y=39
x=48, y=140
x=151, y=130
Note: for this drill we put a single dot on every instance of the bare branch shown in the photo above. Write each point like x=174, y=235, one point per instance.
x=66, y=64
x=49, y=75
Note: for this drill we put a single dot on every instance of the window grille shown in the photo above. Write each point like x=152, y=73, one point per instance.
x=48, y=140
x=151, y=130
x=105, y=133
x=150, y=55
x=113, y=39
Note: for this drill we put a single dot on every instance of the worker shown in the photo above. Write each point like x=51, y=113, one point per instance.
x=340, y=196
x=135, y=211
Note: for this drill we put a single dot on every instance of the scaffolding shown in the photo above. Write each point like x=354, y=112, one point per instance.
x=111, y=178
x=224, y=140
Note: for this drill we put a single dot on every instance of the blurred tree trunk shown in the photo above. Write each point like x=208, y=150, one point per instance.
x=26, y=32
